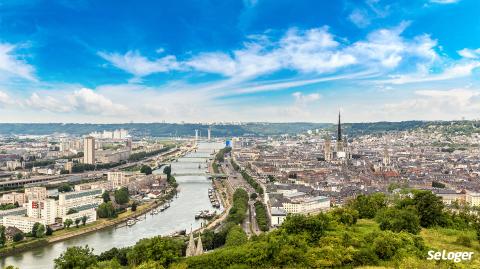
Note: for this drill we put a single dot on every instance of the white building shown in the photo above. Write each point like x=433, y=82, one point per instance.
x=473, y=199
x=78, y=201
x=35, y=193
x=120, y=179
x=25, y=224
x=89, y=150
x=278, y=215
x=43, y=209
x=13, y=197
x=308, y=205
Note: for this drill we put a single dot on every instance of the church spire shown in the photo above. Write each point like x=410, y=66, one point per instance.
x=191, y=245
x=339, y=128
x=199, y=250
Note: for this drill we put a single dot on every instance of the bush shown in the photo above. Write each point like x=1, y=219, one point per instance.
x=398, y=220
x=464, y=240
x=18, y=237
x=261, y=216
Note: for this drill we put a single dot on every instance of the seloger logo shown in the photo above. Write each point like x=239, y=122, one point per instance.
x=444, y=255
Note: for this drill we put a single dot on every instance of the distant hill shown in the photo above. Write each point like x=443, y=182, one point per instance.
x=246, y=129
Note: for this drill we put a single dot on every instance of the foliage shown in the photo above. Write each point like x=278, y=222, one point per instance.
x=8, y=206
x=120, y=254
x=261, y=216
x=3, y=239
x=436, y=184
x=464, y=240
x=368, y=205
x=398, y=220
x=236, y=236
x=239, y=207
x=106, y=196
x=82, y=167
x=67, y=223
x=106, y=210
x=38, y=230
x=134, y=206
x=252, y=182
x=72, y=211
x=65, y=187
x=84, y=220
x=253, y=196
x=345, y=216
x=235, y=166
x=18, y=237
x=167, y=170
x=429, y=208
x=76, y=257
x=315, y=226
x=121, y=196
x=162, y=249
x=147, y=170
x=49, y=231
x=142, y=155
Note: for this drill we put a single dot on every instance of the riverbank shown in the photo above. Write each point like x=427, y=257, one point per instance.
x=97, y=225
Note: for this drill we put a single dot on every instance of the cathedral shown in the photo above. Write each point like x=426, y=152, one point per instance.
x=341, y=151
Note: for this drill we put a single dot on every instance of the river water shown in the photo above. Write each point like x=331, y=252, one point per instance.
x=192, y=197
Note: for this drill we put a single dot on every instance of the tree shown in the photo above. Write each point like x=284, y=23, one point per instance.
x=121, y=196
x=49, y=231
x=106, y=210
x=76, y=257
x=398, y=220
x=65, y=187
x=253, y=196
x=147, y=170
x=167, y=171
x=84, y=220
x=35, y=228
x=72, y=211
x=77, y=221
x=368, y=205
x=429, y=208
x=18, y=237
x=346, y=215
x=236, y=236
x=134, y=206
x=106, y=196
x=164, y=250
x=39, y=231
x=3, y=239
x=67, y=223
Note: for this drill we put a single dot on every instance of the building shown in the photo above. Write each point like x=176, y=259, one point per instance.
x=278, y=216
x=68, y=166
x=120, y=179
x=19, y=211
x=24, y=224
x=14, y=164
x=307, y=205
x=89, y=150
x=35, y=193
x=43, y=209
x=78, y=201
x=13, y=197
x=473, y=199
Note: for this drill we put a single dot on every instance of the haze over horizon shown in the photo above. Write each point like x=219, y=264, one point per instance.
x=239, y=61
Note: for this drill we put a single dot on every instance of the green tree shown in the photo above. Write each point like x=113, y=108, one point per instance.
x=3, y=239
x=398, y=220
x=347, y=216
x=236, y=236
x=77, y=221
x=167, y=171
x=106, y=210
x=40, y=231
x=106, y=196
x=134, y=206
x=18, y=237
x=76, y=257
x=429, y=208
x=147, y=170
x=84, y=220
x=65, y=187
x=67, y=223
x=121, y=196
x=368, y=205
x=49, y=231
x=161, y=249
x=253, y=196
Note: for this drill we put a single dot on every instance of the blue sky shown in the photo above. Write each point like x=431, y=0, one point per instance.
x=251, y=60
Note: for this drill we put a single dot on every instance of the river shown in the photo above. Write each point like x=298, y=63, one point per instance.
x=192, y=197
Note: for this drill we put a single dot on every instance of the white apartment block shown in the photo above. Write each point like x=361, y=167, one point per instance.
x=89, y=150
x=25, y=224
x=79, y=201
x=43, y=209
x=309, y=205
x=473, y=199
x=35, y=193
x=91, y=215
x=120, y=179
x=19, y=211
x=12, y=198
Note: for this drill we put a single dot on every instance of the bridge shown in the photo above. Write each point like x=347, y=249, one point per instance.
x=219, y=175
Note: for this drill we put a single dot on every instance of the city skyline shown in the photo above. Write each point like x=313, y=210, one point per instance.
x=248, y=61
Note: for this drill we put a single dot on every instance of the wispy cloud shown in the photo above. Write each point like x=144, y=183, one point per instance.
x=470, y=53
x=444, y=2
x=12, y=64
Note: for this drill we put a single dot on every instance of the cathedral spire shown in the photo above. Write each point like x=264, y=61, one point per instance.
x=191, y=245
x=339, y=128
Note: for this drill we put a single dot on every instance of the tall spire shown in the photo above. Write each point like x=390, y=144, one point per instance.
x=199, y=250
x=191, y=246
x=339, y=128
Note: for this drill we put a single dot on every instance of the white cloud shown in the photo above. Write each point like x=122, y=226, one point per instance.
x=12, y=64
x=5, y=99
x=469, y=53
x=84, y=101
x=359, y=18
x=455, y=71
x=140, y=66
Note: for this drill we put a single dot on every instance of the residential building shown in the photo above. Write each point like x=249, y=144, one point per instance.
x=89, y=150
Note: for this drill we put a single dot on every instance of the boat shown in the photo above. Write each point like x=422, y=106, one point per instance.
x=131, y=222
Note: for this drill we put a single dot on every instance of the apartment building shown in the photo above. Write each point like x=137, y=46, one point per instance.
x=13, y=197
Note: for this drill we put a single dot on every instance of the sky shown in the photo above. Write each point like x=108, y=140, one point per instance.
x=239, y=61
